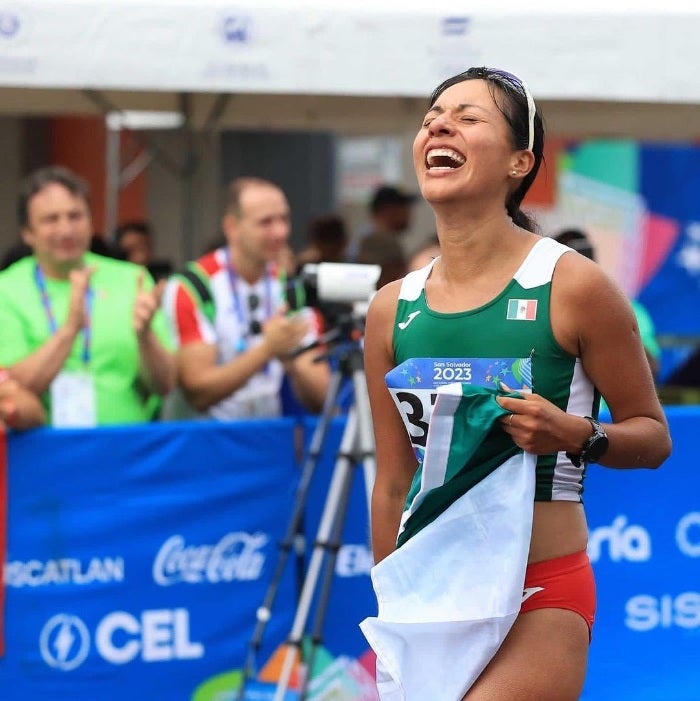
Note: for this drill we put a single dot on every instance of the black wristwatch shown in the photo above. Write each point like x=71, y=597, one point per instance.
x=594, y=448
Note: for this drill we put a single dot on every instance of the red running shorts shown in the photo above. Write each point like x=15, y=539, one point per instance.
x=563, y=583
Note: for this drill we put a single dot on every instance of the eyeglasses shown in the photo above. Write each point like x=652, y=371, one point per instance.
x=513, y=81
x=255, y=326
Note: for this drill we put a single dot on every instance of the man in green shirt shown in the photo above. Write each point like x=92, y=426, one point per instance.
x=79, y=329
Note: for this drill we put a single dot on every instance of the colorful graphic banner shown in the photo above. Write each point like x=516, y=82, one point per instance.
x=638, y=204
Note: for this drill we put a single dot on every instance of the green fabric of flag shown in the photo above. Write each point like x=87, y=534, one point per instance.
x=466, y=428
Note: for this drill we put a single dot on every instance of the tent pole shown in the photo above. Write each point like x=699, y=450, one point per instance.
x=189, y=167
x=113, y=173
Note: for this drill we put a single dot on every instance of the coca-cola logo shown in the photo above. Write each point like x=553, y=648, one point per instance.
x=236, y=557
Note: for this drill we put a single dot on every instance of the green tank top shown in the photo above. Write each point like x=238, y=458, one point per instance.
x=514, y=325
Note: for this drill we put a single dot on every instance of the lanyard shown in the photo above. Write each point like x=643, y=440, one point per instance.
x=53, y=326
x=241, y=315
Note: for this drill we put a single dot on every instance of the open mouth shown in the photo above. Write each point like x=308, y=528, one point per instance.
x=444, y=159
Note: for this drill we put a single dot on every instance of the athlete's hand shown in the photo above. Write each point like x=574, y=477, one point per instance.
x=538, y=426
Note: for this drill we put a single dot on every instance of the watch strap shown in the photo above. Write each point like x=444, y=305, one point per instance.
x=597, y=430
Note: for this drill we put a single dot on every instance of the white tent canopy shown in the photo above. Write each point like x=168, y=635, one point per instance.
x=363, y=66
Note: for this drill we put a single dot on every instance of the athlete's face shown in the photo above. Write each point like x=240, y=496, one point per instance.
x=59, y=228
x=464, y=147
x=263, y=227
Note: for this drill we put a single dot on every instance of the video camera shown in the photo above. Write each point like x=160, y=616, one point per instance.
x=340, y=291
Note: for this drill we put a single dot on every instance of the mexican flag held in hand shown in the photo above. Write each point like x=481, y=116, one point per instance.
x=450, y=592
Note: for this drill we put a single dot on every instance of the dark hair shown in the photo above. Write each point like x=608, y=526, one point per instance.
x=510, y=95
x=388, y=195
x=328, y=228
x=138, y=226
x=41, y=178
x=576, y=239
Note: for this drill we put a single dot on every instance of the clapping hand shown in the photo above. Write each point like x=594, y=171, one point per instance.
x=146, y=304
x=79, y=283
x=284, y=333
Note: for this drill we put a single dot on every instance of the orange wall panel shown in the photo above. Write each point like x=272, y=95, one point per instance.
x=79, y=143
x=544, y=190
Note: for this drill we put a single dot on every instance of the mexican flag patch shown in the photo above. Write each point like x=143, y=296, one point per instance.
x=522, y=309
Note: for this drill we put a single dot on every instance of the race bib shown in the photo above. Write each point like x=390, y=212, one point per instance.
x=413, y=385
x=73, y=400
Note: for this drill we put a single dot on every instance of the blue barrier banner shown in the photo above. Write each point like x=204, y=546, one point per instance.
x=137, y=557
x=645, y=547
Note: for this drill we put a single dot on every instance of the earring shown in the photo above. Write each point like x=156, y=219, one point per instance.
x=515, y=172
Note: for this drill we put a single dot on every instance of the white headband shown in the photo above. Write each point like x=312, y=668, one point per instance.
x=531, y=111
x=531, y=108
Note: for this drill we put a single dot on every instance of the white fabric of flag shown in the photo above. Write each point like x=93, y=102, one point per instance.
x=449, y=595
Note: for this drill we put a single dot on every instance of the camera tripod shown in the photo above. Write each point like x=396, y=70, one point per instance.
x=356, y=447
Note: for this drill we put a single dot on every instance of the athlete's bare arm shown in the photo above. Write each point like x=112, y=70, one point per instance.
x=592, y=319
x=396, y=462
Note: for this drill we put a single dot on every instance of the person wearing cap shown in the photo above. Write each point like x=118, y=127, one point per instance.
x=390, y=213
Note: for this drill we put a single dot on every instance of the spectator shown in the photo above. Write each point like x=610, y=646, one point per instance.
x=19, y=408
x=20, y=249
x=100, y=245
x=390, y=211
x=327, y=241
x=236, y=341
x=79, y=329
x=390, y=214
x=134, y=240
x=579, y=241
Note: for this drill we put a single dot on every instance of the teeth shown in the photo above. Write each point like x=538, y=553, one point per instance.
x=439, y=154
x=448, y=152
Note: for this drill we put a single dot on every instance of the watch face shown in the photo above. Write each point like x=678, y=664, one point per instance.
x=597, y=447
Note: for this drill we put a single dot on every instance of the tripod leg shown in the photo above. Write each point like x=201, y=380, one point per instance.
x=331, y=546
x=363, y=453
x=263, y=613
x=365, y=432
x=341, y=476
